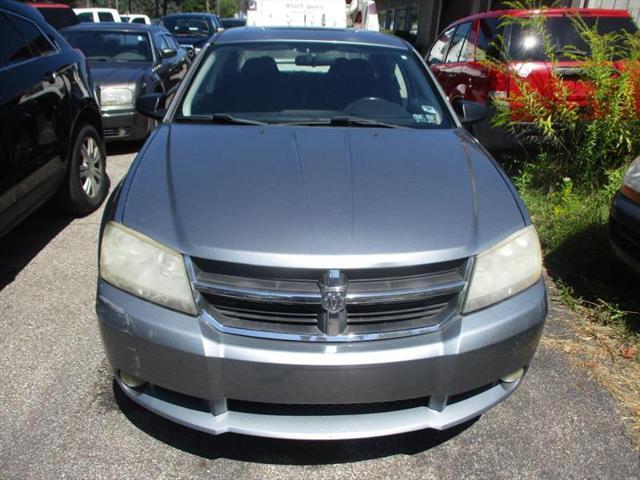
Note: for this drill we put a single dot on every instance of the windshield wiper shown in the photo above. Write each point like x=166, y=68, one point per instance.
x=219, y=118
x=360, y=122
x=341, y=121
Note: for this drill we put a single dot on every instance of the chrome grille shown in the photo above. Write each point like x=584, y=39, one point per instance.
x=291, y=303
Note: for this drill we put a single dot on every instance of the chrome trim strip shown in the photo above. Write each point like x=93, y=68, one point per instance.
x=257, y=295
x=468, y=275
x=206, y=315
x=406, y=295
x=290, y=297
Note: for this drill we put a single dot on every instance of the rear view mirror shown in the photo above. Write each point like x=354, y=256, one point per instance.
x=469, y=112
x=151, y=105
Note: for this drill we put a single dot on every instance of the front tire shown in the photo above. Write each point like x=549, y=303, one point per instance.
x=87, y=181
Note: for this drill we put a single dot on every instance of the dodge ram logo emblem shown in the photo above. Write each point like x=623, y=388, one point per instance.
x=333, y=299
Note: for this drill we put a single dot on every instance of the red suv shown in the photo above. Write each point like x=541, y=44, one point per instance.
x=456, y=58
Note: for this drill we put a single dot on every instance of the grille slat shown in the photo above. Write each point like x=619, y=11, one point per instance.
x=243, y=315
x=261, y=300
x=372, y=318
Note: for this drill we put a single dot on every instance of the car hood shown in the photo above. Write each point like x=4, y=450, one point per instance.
x=319, y=197
x=115, y=73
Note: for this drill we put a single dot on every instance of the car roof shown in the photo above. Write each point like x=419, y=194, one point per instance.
x=49, y=5
x=189, y=14
x=115, y=27
x=549, y=12
x=96, y=9
x=24, y=9
x=263, y=34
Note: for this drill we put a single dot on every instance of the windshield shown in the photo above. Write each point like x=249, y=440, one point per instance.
x=314, y=83
x=526, y=45
x=188, y=26
x=112, y=46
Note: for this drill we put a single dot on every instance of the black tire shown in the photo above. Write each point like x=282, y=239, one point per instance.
x=87, y=183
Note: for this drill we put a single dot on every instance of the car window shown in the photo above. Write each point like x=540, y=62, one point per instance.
x=138, y=20
x=171, y=42
x=487, y=43
x=85, y=17
x=461, y=48
x=188, y=26
x=59, y=17
x=314, y=82
x=161, y=42
x=527, y=45
x=106, y=17
x=439, y=49
x=105, y=46
x=35, y=39
x=13, y=48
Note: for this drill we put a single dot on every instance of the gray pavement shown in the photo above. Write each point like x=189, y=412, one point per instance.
x=60, y=416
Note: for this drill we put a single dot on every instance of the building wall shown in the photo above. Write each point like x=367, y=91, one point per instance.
x=633, y=6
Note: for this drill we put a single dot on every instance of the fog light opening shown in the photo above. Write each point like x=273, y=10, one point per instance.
x=130, y=380
x=513, y=376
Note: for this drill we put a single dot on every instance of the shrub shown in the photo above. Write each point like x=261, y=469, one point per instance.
x=581, y=141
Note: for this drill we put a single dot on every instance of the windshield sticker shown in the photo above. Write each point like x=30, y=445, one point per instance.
x=431, y=114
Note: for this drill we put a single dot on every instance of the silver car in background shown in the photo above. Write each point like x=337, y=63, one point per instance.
x=311, y=246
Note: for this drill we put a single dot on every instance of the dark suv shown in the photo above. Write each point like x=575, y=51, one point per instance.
x=50, y=130
x=456, y=58
x=192, y=30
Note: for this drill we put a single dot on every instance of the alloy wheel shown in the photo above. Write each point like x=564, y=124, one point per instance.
x=91, y=167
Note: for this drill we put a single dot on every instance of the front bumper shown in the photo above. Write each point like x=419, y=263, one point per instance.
x=624, y=231
x=280, y=388
x=125, y=124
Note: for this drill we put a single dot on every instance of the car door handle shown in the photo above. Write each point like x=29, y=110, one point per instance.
x=50, y=77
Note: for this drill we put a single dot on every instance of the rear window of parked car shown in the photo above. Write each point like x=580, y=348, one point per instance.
x=297, y=82
x=105, y=17
x=21, y=40
x=86, y=17
x=527, y=45
x=112, y=46
x=187, y=26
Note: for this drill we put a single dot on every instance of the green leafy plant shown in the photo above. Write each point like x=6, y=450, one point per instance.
x=568, y=183
x=585, y=139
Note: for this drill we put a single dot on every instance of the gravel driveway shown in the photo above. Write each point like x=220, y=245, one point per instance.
x=60, y=416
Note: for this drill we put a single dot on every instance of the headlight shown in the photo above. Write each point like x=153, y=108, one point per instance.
x=112, y=97
x=505, y=269
x=143, y=267
x=631, y=184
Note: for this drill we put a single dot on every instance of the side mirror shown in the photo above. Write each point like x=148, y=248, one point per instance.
x=469, y=112
x=168, y=53
x=151, y=105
